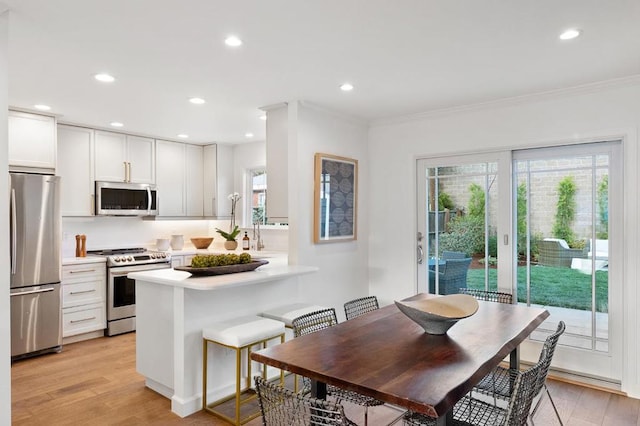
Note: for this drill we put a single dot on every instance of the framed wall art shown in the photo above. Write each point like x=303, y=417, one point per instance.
x=335, y=198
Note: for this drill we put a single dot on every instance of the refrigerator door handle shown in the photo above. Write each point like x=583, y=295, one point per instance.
x=24, y=293
x=14, y=231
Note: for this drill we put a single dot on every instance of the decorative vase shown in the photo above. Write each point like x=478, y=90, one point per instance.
x=231, y=245
x=177, y=242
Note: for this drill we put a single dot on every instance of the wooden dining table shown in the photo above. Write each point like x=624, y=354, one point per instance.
x=385, y=355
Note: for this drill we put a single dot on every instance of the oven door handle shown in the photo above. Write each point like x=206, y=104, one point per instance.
x=120, y=274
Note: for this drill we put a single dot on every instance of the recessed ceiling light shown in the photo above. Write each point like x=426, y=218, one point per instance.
x=197, y=101
x=183, y=136
x=116, y=124
x=248, y=135
x=570, y=34
x=346, y=87
x=263, y=117
x=105, y=78
x=233, y=41
x=42, y=107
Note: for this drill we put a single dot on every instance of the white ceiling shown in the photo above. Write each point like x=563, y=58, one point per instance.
x=402, y=56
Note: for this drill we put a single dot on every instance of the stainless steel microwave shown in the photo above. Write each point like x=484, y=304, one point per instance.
x=126, y=199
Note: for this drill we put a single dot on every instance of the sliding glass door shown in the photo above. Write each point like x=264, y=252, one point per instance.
x=463, y=223
x=568, y=226
x=541, y=224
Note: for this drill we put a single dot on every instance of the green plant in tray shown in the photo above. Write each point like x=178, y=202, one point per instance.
x=212, y=260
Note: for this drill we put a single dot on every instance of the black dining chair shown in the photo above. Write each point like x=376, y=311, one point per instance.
x=498, y=382
x=280, y=407
x=355, y=308
x=487, y=295
x=319, y=320
x=475, y=412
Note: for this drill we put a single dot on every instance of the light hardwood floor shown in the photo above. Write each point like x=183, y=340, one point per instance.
x=95, y=383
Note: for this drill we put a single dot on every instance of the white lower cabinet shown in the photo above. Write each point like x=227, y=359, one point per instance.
x=84, y=306
x=83, y=319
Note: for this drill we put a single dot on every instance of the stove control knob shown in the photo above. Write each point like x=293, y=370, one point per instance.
x=164, y=255
x=152, y=255
x=130, y=258
x=116, y=259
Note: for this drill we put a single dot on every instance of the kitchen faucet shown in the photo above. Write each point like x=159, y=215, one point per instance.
x=256, y=236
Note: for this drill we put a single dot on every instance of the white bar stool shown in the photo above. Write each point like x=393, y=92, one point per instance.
x=238, y=334
x=286, y=314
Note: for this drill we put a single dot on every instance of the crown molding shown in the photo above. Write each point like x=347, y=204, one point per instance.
x=515, y=100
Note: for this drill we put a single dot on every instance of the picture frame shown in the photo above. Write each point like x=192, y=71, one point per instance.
x=335, y=198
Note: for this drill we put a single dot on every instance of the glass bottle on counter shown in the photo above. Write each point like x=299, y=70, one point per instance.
x=245, y=242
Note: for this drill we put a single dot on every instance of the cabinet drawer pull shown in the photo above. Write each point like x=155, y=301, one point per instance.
x=82, y=320
x=82, y=292
x=82, y=272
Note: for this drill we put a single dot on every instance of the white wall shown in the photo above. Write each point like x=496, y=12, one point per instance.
x=5, y=323
x=593, y=113
x=343, y=265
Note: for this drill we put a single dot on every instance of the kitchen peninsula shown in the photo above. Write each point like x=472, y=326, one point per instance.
x=172, y=308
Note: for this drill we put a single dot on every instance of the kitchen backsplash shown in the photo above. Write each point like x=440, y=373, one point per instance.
x=117, y=232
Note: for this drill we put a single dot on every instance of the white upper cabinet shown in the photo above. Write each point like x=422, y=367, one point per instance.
x=170, y=162
x=141, y=157
x=32, y=141
x=218, y=180
x=194, y=179
x=124, y=158
x=75, y=166
x=179, y=181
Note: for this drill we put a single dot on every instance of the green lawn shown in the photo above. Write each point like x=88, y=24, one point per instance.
x=563, y=287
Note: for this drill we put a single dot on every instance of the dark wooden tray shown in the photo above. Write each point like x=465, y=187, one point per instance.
x=222, y=270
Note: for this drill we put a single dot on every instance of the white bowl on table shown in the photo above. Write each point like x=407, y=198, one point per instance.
x=438, y=314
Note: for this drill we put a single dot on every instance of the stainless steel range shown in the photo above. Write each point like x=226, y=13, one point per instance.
x=121, y=291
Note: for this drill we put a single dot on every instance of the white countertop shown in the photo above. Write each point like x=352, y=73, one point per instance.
x=83, y=260
x=265, y=273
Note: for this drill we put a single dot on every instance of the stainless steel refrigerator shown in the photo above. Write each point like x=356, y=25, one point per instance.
x=35, y=231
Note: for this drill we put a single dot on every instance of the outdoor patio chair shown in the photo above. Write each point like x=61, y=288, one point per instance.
x=472, y=411
x=319, y=320
x=280, y=406
x=446, y=255
x=452, y=277
x=556, y=252
x=498, y=382
x=490, y=296
x=355, y=308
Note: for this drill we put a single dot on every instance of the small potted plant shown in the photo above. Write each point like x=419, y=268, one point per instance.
x=230, y=237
